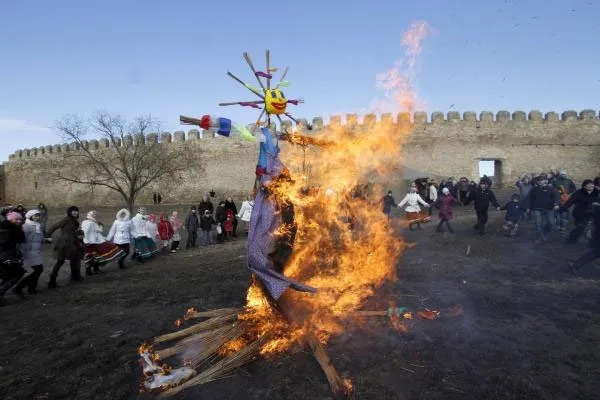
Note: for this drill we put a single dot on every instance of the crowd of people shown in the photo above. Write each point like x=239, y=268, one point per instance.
x=549, y=199
x=143, y=236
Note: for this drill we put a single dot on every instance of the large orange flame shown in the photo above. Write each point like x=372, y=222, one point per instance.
x=344, y=245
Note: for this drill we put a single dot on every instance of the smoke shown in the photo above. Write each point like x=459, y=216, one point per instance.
x=397, y=83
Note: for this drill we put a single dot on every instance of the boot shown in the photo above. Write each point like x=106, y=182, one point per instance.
x=122, y=263
x=52, y=282
x=97, y=269
x=88, y=271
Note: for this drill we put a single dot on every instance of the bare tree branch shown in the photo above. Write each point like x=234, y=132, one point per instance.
x=126, y=167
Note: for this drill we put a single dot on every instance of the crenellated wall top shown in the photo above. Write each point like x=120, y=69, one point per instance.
x=469, y=118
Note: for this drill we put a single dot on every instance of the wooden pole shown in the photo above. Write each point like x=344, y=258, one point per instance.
x=268, y=54
x=337, y=384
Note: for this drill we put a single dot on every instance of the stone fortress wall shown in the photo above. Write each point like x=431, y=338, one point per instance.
x=438, y=145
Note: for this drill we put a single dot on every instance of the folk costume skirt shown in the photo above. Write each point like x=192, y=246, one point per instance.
x=101, y=253
x=145, y=247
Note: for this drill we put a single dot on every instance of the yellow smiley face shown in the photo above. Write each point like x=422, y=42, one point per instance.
x=275, y=101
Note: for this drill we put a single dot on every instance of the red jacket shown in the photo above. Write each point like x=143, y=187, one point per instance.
x=165, y=230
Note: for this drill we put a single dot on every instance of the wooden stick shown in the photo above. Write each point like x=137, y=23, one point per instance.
x=268, y=54
x=238, y=102
x=209, y=324
x=211, y=313
x=244, y=85
x=249, y=61
x=371, y=313
x=258, y=119
x=285, y=71
x=337, y=384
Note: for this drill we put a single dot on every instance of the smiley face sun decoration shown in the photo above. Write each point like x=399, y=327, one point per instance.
x=273, y=101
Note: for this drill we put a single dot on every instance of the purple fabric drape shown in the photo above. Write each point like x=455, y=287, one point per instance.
x=264, y=222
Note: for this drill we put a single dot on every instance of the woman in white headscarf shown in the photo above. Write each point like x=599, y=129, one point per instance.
x=97, y=251
x=413, y=211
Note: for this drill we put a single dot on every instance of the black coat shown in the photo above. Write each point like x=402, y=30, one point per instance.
x=231, y=206
x=582, y=201
x=11, y=236
x=206, y=222
x=543, y=198
x=482, y=198
x=205, y=205
x=220, y=214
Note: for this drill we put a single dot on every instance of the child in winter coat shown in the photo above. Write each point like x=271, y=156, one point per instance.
x=444, y=204
x=191, y=225
x=32, y=252
x=176, y=224
x=228, y=224
x=514, y=212
x=153, y=228
x=165, y=232
x=206, y=223
x=120, y=234
x=412, y=201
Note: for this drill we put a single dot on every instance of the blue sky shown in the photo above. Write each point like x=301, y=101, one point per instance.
x=171, y=58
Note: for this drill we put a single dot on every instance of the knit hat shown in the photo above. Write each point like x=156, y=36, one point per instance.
x=71, y=209
x=14, y=216
x=152, y=217
x=31, y=213
x=445, y=190
x=142, y=210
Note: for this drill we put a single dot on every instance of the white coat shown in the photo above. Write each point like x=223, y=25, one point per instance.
x=152, y=230
x=92, y=233
x=412, y=201
x=139, y=228
x=433, y=194
x=32, y=248
x=246, y=211
x=120, y=231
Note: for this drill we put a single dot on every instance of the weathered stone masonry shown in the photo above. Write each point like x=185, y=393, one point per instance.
x=441, y=145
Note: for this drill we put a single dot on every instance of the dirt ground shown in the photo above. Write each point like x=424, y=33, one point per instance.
x=529, y=331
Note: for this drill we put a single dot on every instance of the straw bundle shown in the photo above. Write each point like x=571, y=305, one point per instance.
x=202, y=340
x=220, y=369
x=193, y=314
x=207, y=325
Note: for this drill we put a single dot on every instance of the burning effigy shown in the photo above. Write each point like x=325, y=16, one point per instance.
x=318, y=246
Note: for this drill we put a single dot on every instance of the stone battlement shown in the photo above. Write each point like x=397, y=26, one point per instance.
x=419, y=119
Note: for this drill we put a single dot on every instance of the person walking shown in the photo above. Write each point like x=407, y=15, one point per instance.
x=68, y=246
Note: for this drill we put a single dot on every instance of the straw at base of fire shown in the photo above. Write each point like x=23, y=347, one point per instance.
x=201, y=340
x=220, y=369
x=209, y=324
x=193, y=314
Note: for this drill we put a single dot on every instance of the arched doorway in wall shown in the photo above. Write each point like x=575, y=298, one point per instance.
x=492, y=168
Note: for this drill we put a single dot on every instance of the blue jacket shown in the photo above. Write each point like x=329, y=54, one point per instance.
x=514, y=211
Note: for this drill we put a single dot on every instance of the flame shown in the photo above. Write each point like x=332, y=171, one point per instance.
x=343, y=243
x=178, y=323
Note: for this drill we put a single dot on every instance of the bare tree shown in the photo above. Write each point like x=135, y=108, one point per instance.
x=129, y=165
